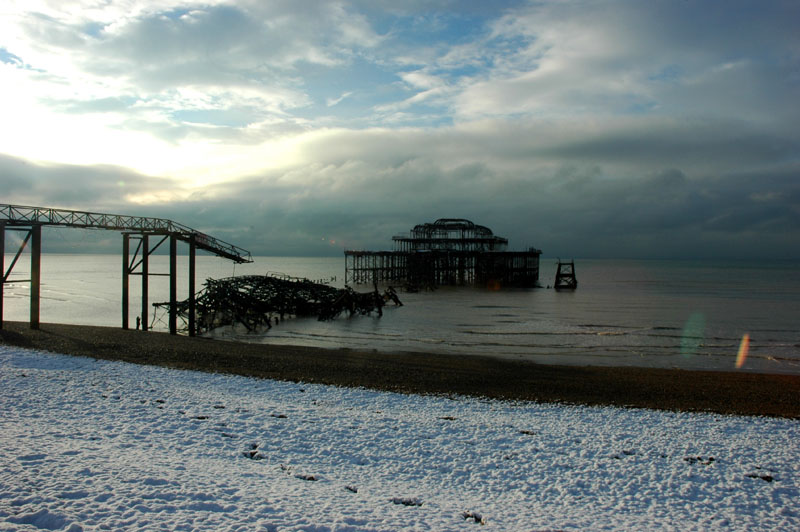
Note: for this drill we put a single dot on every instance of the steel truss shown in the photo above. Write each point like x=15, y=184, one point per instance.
x=136, y=228
x=21, y=215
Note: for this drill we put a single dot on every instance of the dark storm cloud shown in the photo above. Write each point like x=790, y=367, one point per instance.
x=569, y=210
x=721, y=143
x=576, y=210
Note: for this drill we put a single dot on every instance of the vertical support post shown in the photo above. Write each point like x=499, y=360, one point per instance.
x=36, y=274
x=173, y=285
x=126, y=238
x=192, y=303
x=145, y=278
x=2, y=267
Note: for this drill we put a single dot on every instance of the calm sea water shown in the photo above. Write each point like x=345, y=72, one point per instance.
x=690, y=315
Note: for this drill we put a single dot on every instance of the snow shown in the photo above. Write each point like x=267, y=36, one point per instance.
x=97, y=445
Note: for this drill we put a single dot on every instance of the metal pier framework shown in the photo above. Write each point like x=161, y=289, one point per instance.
x=449, y=251
x=147, y=233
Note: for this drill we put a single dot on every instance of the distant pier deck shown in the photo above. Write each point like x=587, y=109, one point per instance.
x=449, y=251
x=436, y=268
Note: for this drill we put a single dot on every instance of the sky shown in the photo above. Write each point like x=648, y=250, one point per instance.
x=608, y=129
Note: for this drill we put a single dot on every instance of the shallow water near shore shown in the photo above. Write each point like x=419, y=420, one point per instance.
x=673, y=314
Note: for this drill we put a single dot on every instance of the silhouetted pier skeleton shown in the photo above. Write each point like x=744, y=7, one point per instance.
x=255, y=300
x=449, y=251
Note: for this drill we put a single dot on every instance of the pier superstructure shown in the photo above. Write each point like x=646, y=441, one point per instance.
x=135, y=229
x=449, y=251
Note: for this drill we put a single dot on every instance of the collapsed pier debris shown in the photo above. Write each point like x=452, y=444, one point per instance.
x=449, y=251
x=257, y=301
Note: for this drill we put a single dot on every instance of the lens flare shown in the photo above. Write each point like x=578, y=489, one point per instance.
x=493, y=285
x=693, y=334
x=744, y=347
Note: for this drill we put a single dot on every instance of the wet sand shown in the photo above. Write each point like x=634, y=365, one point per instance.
x=428, y=373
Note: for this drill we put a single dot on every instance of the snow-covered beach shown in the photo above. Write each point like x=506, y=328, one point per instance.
x=100, y=445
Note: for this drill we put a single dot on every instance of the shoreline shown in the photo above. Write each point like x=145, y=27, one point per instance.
x=723, y=392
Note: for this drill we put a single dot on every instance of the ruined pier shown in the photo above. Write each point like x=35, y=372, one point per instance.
x=449, y=251
x=147, y=233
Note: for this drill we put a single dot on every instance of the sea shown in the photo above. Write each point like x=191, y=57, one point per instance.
x=694, y=315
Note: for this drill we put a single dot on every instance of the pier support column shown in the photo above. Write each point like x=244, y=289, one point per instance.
x=2, y=268
x=145, y=278
x=126, y=239
x=173, y=285
x=36, y=273
x=192, y=303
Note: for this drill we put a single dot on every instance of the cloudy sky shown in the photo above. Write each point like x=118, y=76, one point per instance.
x=586, y=128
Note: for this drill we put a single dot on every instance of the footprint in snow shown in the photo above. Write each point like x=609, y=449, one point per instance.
x=765, y=478
x=32, y=457
x=407, y=501
x=627, y=453
x=474, y=516
x=253, y=453
x=699, y=460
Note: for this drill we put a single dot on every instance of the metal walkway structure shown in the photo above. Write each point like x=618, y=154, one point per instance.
x=30, y=221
